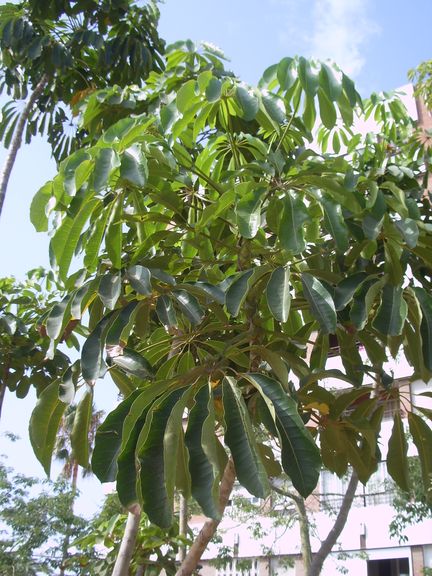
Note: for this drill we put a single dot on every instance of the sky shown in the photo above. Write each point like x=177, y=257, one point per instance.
x=375, y=41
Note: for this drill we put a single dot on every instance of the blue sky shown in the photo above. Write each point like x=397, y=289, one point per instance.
x=376, y=42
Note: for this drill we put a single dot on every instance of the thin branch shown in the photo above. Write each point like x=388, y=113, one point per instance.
x=127, y=546
x=338, y=526
x=207, y=532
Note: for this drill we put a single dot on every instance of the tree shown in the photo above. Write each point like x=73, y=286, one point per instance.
x=63, y=452
x=24, y=347
x=286, y=507
x=34, y=526
x=53, y=53
x=413, y=506
x=218, y=250
x=96, y=551
x=421, y=78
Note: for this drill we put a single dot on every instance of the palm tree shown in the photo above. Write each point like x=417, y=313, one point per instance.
x=63, y=452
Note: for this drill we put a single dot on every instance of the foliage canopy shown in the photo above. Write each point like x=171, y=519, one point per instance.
x=219, y=248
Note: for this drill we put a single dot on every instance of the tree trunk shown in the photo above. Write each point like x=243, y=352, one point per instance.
x=17, y=139
x=121, y=567
x=207, y=532
x=66, y=541
x=306, y=549
x=183, y=525
x=327, y=545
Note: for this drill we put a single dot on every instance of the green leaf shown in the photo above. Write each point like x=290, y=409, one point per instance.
x=300, y=455
x=65, y=241
x=214, y=210
x=350, y=356
x=55, y=319
x=213, y=90
x=106, y=161
x=392, y=311
x=409, y=230
x=397, y=460
x=81, y=427
x=139, y=278
x=165, y=311
x=91, y=354
x=134, y=363
x=240, y=439
x=204, y=477
x=327, y=110
x=422, y=437
x=113, y=234
x=335, y=224
x=108, y=440
x=308, y=79
x=321, y=303
x=172, y=446
x=278, y=293
x=119, y=330
x=285, y=73
x=186, y=96
x=294, y=215
x=248, y=209
x=133, y=167
x=190, y=306
x=44, y=424
x=237, y=292
x=123, y=382
x=248, y=103
x=132, y=428
x=425, y=301
x=346, y=288
x=110, y=290
x=151, y=488
x=329, y=83
x=38, y=207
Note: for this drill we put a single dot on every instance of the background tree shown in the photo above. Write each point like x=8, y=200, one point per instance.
x=25, y=357
x=209, y=227
x=413, y=506
x=34, y=526
x=96, y=551
x=421, y=77
x=53, y=53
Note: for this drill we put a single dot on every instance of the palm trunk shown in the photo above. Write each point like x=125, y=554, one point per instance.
x=17, y=139
x=327, y=545
x=207, y=532
x=121, y=567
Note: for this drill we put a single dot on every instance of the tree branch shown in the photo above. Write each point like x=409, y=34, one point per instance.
x=123, y=560
x=327, y=545
x=306, y=549
x=210, y=526
x=17, y=139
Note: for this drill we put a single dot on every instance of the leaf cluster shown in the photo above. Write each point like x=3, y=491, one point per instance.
x=224, y=257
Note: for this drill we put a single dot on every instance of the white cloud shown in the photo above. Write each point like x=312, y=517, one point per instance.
x=340, y=30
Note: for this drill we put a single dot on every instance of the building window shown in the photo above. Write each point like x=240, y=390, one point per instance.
x=376, y=491
x=388, y=567
x=239, y=567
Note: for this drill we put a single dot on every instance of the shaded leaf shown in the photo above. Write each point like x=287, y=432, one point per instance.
x=321, y=303
x=240, y=439
x=300, y=455
x=278, y=293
